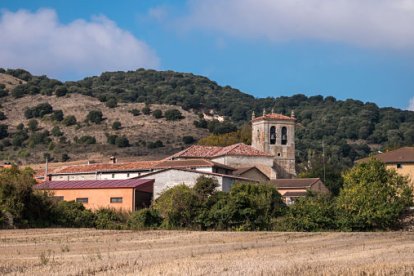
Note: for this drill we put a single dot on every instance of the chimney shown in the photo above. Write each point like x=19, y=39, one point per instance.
x=264, y=111
x=113, y=159
x=292, y=114
x=253, y=115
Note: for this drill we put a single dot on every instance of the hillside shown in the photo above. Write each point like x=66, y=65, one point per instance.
x=349, y=129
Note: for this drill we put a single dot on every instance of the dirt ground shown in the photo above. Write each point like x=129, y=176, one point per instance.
x=96, y=252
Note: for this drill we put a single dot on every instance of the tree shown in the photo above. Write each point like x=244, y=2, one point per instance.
x=116, y=125
x=61, y=91
x=157, y=113
x=135, y=112
x=95, y=116
x=87, y=140
x=205, y=187
x=121, y=142
x=173, y=115
x=372, y=197
x=188, y=140
x=69, y=120
x=65, y=157
x=57, y=115
x=56, y=131
x=4, y=131
x=146, y=110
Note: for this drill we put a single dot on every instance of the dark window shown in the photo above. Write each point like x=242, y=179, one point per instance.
x=127, y=174
x=113, y=175
x=399, y=166
x=116, y=199
x=284, y=136
x=82, y=199
x=272, y=135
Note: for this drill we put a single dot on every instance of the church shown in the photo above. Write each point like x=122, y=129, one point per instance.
x=269, y=159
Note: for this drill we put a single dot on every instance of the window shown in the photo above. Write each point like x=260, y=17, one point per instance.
x=273, y=135
x=113, y=175
x=127, y=174
x=284, y=136
x=116, y=199
x=82, y=199
x=399, y=166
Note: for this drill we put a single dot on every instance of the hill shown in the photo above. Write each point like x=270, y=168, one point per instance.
x=349, y=129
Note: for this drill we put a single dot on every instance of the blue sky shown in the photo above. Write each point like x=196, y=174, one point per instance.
x=348, y=49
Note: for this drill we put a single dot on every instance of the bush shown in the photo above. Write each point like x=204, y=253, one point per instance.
x=135, y=112
x=372, y=197
x=4, y=131
x=122, y=142
x=156, y=144
x=65, y=157
x=57, y=115
x=157, y=113
x=2, y=116
x=173, y=115
x=69, y=120
x=33, y=124
x=188, y=140
x=111, y=103
x=147, y=218
x=311, y=213
x=108, y=218
x=177, y=206
x=56, y=131
x=73, y=214
x=86, y=140
x=61, y=91
x=95, y=116
x=146, y=110
x=116, y=125
x=3, y=92
x=111, y=139
x=38, y=111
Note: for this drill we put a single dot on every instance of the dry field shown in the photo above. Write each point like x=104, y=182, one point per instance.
x=90, y=252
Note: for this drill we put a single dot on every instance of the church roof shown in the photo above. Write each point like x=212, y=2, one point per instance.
x=240, y=149
x=274, y=116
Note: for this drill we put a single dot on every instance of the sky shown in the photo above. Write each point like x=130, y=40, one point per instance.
x=267, y=48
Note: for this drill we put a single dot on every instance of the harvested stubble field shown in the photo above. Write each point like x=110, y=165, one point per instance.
x=86, y=252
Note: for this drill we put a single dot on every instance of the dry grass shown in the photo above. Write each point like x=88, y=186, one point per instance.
x=9, y=81
x=84, y=252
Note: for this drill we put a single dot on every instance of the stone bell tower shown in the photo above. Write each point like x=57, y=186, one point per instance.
x=275, y=134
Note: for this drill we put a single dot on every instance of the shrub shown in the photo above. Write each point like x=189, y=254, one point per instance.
x=116, y=125
x=2, y=116
x=73, y=214
x=144, y=219
x=121, y=142
x=95, y=116
x=111, y=103
x=157, y=113
x=108, y=218
x=146, y=110
x=65, y=157
x=38, y=111
x=56, y=131
x=372, y=197
x=20, y=126
x=57, y=115
x=4, y=131
x=177, y=206
x=311, y=213
x=3, y=92
x=111, y=139
x=33, y=124
x=61, y=91
x=135, y=112
x=188, y=140
x=87, y=140
x=156, y=144
x=69, y=120
x=173, y=115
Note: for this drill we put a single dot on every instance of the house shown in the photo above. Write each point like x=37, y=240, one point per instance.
x=401, y=160
x=126, y=195
x=253, y=172
x=168, y=178
x=292, y=189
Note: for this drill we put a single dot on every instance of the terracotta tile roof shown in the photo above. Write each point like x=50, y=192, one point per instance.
x=93, y=184
x=274, y=116
x=190, y=163
x=296, y=183
x=239, y=149
x=401, y=155
x=197, y=172
x=101, y=167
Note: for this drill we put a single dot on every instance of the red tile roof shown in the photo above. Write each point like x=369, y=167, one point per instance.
x=91, y=168
x=93, y=184
x=239, y=149
x=401, y=155
x=274, y=116
x=190, y=163
x=296, y=183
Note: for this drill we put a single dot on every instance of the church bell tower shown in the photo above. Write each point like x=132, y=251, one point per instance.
x=275, y=134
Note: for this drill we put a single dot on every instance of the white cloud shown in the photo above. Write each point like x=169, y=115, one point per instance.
x=41, y=44
x=368, y=23
x=411, y=104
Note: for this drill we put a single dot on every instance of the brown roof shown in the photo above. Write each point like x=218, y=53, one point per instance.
x=401, y=155
x=296, y=183
x=295, y=194
x=190, y=163
x=92, y=184
x=239, y=149
x=243, y=170
x=274, y=116
x=92, y=168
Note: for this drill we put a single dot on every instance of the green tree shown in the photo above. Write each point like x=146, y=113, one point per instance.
x=56, y=131
x=157, y=113
x=95, y=116
x=121, y=142
x=33, y=125
x=69, y=120
x=111, y=103
x=116, y=125
x=57, y=115
x=4, y=131
x=372, y=197
x=146, y=110
x=135, y=112
x=61, y=91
